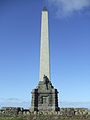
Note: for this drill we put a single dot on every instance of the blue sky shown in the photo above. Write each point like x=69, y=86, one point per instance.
x=69, y=25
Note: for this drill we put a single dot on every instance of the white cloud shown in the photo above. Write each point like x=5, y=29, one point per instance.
x=75, y=104
x=14, y=102
x=67, y=7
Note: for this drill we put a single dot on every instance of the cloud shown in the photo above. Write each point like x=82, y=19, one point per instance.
x=68, y=7
x=66, y=104
x=14, y=102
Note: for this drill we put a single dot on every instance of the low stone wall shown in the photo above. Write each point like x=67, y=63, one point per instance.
x=12, y=111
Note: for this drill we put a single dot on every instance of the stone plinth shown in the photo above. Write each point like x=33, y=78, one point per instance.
x=44, y=97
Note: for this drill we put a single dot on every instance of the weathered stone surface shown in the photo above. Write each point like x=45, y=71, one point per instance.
x=44, y=97
x=64, y=112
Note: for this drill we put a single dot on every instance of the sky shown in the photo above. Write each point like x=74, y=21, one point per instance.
x=69, y=28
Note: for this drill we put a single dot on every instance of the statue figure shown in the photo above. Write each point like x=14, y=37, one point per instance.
x=46, y=81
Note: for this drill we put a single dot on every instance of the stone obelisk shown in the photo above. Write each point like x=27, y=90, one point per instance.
x=45, y=96
x=44, y=49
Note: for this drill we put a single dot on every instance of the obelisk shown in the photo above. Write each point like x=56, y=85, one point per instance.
x=44, y=49
x=44, y=96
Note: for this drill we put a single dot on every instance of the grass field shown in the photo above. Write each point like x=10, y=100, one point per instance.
x=45, y=117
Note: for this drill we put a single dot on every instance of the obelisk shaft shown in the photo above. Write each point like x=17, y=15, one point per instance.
x=44, y=49
x=44, y=96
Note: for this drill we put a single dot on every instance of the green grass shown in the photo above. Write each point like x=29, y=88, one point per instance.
x=11, y=118
x=44, y=117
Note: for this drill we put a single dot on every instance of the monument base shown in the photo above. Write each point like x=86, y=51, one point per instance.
x=44, y=97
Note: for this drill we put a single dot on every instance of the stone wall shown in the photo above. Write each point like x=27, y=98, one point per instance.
x=12, y=111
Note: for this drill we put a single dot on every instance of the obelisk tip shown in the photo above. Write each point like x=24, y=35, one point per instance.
x=44, y=8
